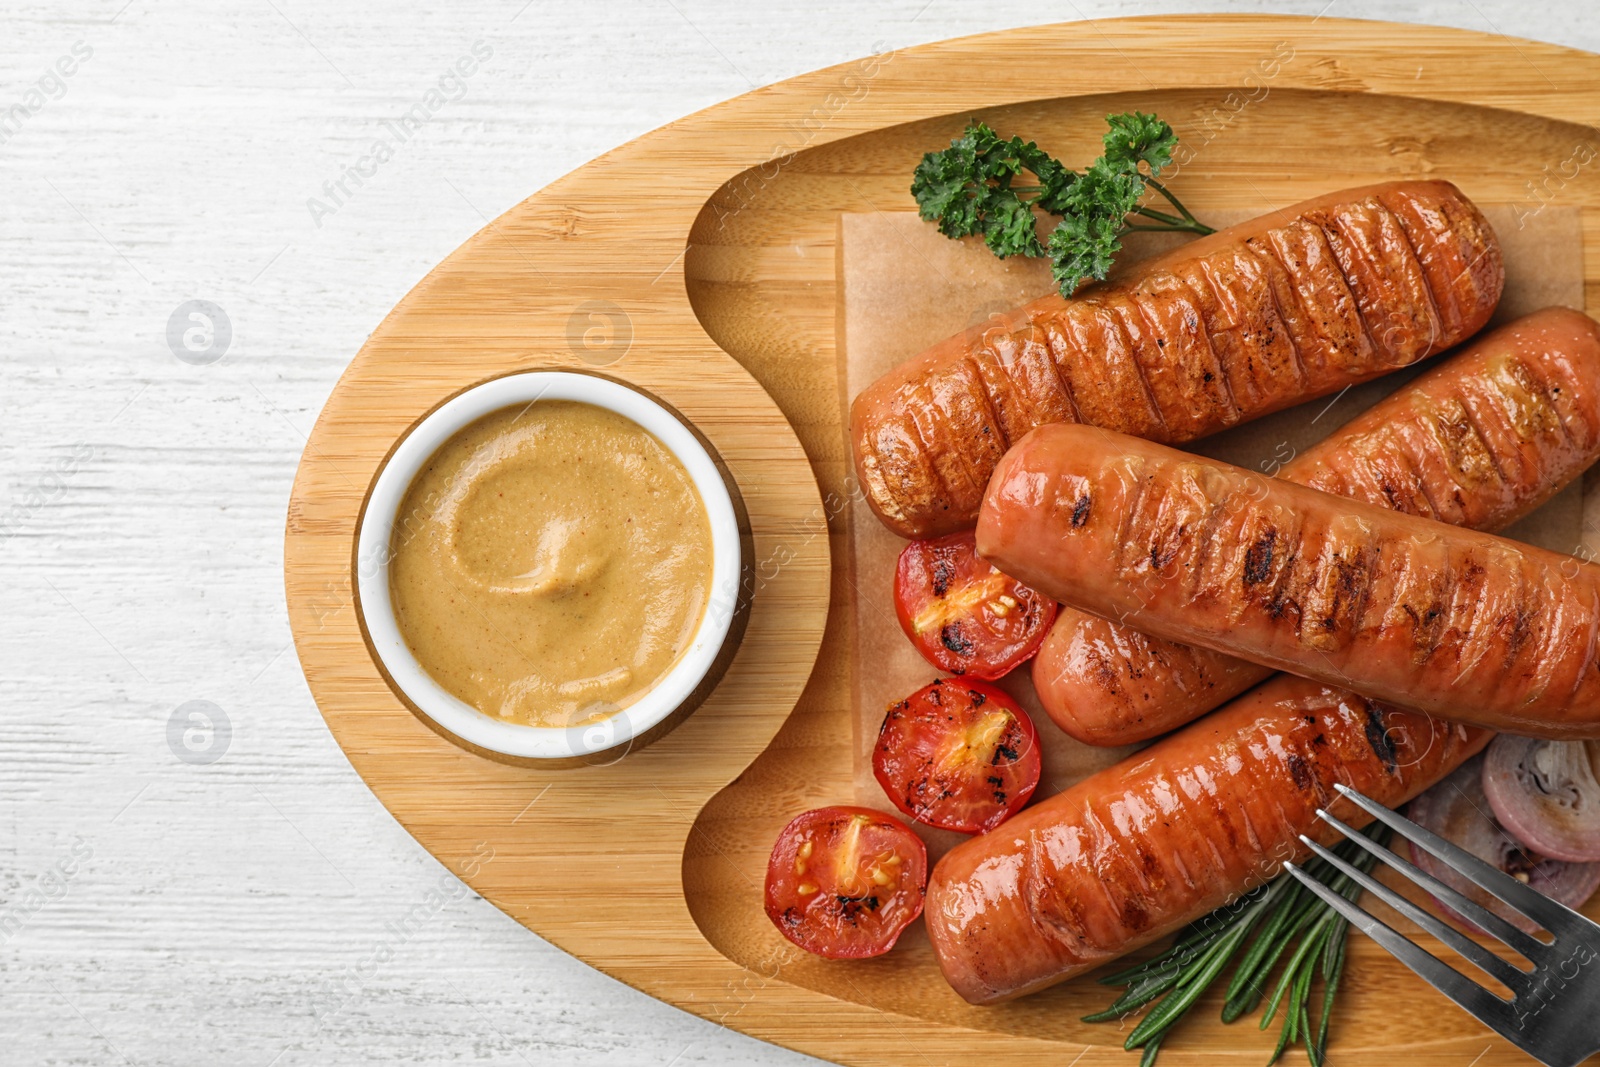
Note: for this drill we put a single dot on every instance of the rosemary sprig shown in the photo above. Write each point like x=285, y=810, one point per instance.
x=1285, y=919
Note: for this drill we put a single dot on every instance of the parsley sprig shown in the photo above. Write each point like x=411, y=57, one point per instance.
x=971, y=189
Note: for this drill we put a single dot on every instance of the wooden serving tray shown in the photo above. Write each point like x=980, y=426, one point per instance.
x=698, y=262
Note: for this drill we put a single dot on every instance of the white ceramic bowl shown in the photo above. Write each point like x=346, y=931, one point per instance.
x=457, y=716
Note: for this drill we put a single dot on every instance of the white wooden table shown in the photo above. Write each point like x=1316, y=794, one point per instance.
x=177, y=894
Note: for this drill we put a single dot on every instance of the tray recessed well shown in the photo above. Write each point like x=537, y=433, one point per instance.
x=713, y=286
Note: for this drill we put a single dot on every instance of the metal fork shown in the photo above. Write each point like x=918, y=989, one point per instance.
x=1554, y=1012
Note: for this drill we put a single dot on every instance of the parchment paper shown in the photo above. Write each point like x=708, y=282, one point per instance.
x=903, y=287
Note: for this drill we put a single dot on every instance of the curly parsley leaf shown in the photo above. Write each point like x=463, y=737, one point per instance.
x=1010, y=227
x=967, y=189
x=1082, y=247
x=1055, y=182
x=1136, y=137
x=1105, y=190
x=940, y=185
x=1092, y=224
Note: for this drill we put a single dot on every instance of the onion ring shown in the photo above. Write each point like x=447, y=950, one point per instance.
x=1456, y=809
x=1547, y=794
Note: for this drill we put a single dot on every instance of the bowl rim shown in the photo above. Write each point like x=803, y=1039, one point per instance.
x=375, y=530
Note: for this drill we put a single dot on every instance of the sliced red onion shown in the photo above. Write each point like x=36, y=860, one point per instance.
x=1456, y=809
x=1546, y=793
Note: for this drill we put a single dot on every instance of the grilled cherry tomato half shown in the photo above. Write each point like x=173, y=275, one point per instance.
x=843, y=882
x=964, y=616
x=959, y=755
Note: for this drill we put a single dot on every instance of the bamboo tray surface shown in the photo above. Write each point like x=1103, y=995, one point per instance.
x=712, y=284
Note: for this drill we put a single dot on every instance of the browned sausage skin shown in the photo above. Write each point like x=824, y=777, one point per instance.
x=1172, y=833
x=1460, y=624
x=1478, y=441
x=1257, y=317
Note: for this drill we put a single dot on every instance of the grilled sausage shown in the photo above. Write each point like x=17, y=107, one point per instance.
x=1173, y=833
x=1260, y=316
x=1478, y=441
x=1460, y=624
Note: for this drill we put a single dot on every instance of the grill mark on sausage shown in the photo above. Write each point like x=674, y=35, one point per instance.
x=1575, y=387
x=1391, y=493
x=1328, y=224
x=1356, y=234
x=1520, y=630
x=1322, y=765
x=1263, y=249
x=1076, y=335
x=1218, y=859
x=1462, y=447
x=1273, y=571
x=1181, y=869
x=1118, y=308
x=1352, y=578
x=1483, y=442
x=1462, y=219
x=957, y=463
x=1522, y=401
x=1343, y=338
x=1239, y=312
x=1378, y=739
x=1103, y=671
x=1220, y=357
x=1128, y=533
x=1258, y=557
x=1205, y=538
x=1466, y=597
x=1433, y=312
x=1119, y=895
x=1416, y=464
x=1159, y=298
x=1252, y=836
x=1437, y=616
x=1296, y=765
x=1398, y=498
x=1547, y=647
x=1001, y=370
x=1426, y=225
x=1222, y=816
x=1462, y=224
x=1281, y=596
x=1055, y=369
x=914, y=430
x=1165, y=547
x=1371, y=564
x=1307, y=579
x=1435, y=301
x=1517, y=624
x=1591, y=652
x=1057, y=916
x=1278, y=321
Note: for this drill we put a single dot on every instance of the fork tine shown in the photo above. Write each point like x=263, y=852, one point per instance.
x=1447, y=980
x=1480, y=957
x=1469, y=909
x=1556, y=918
